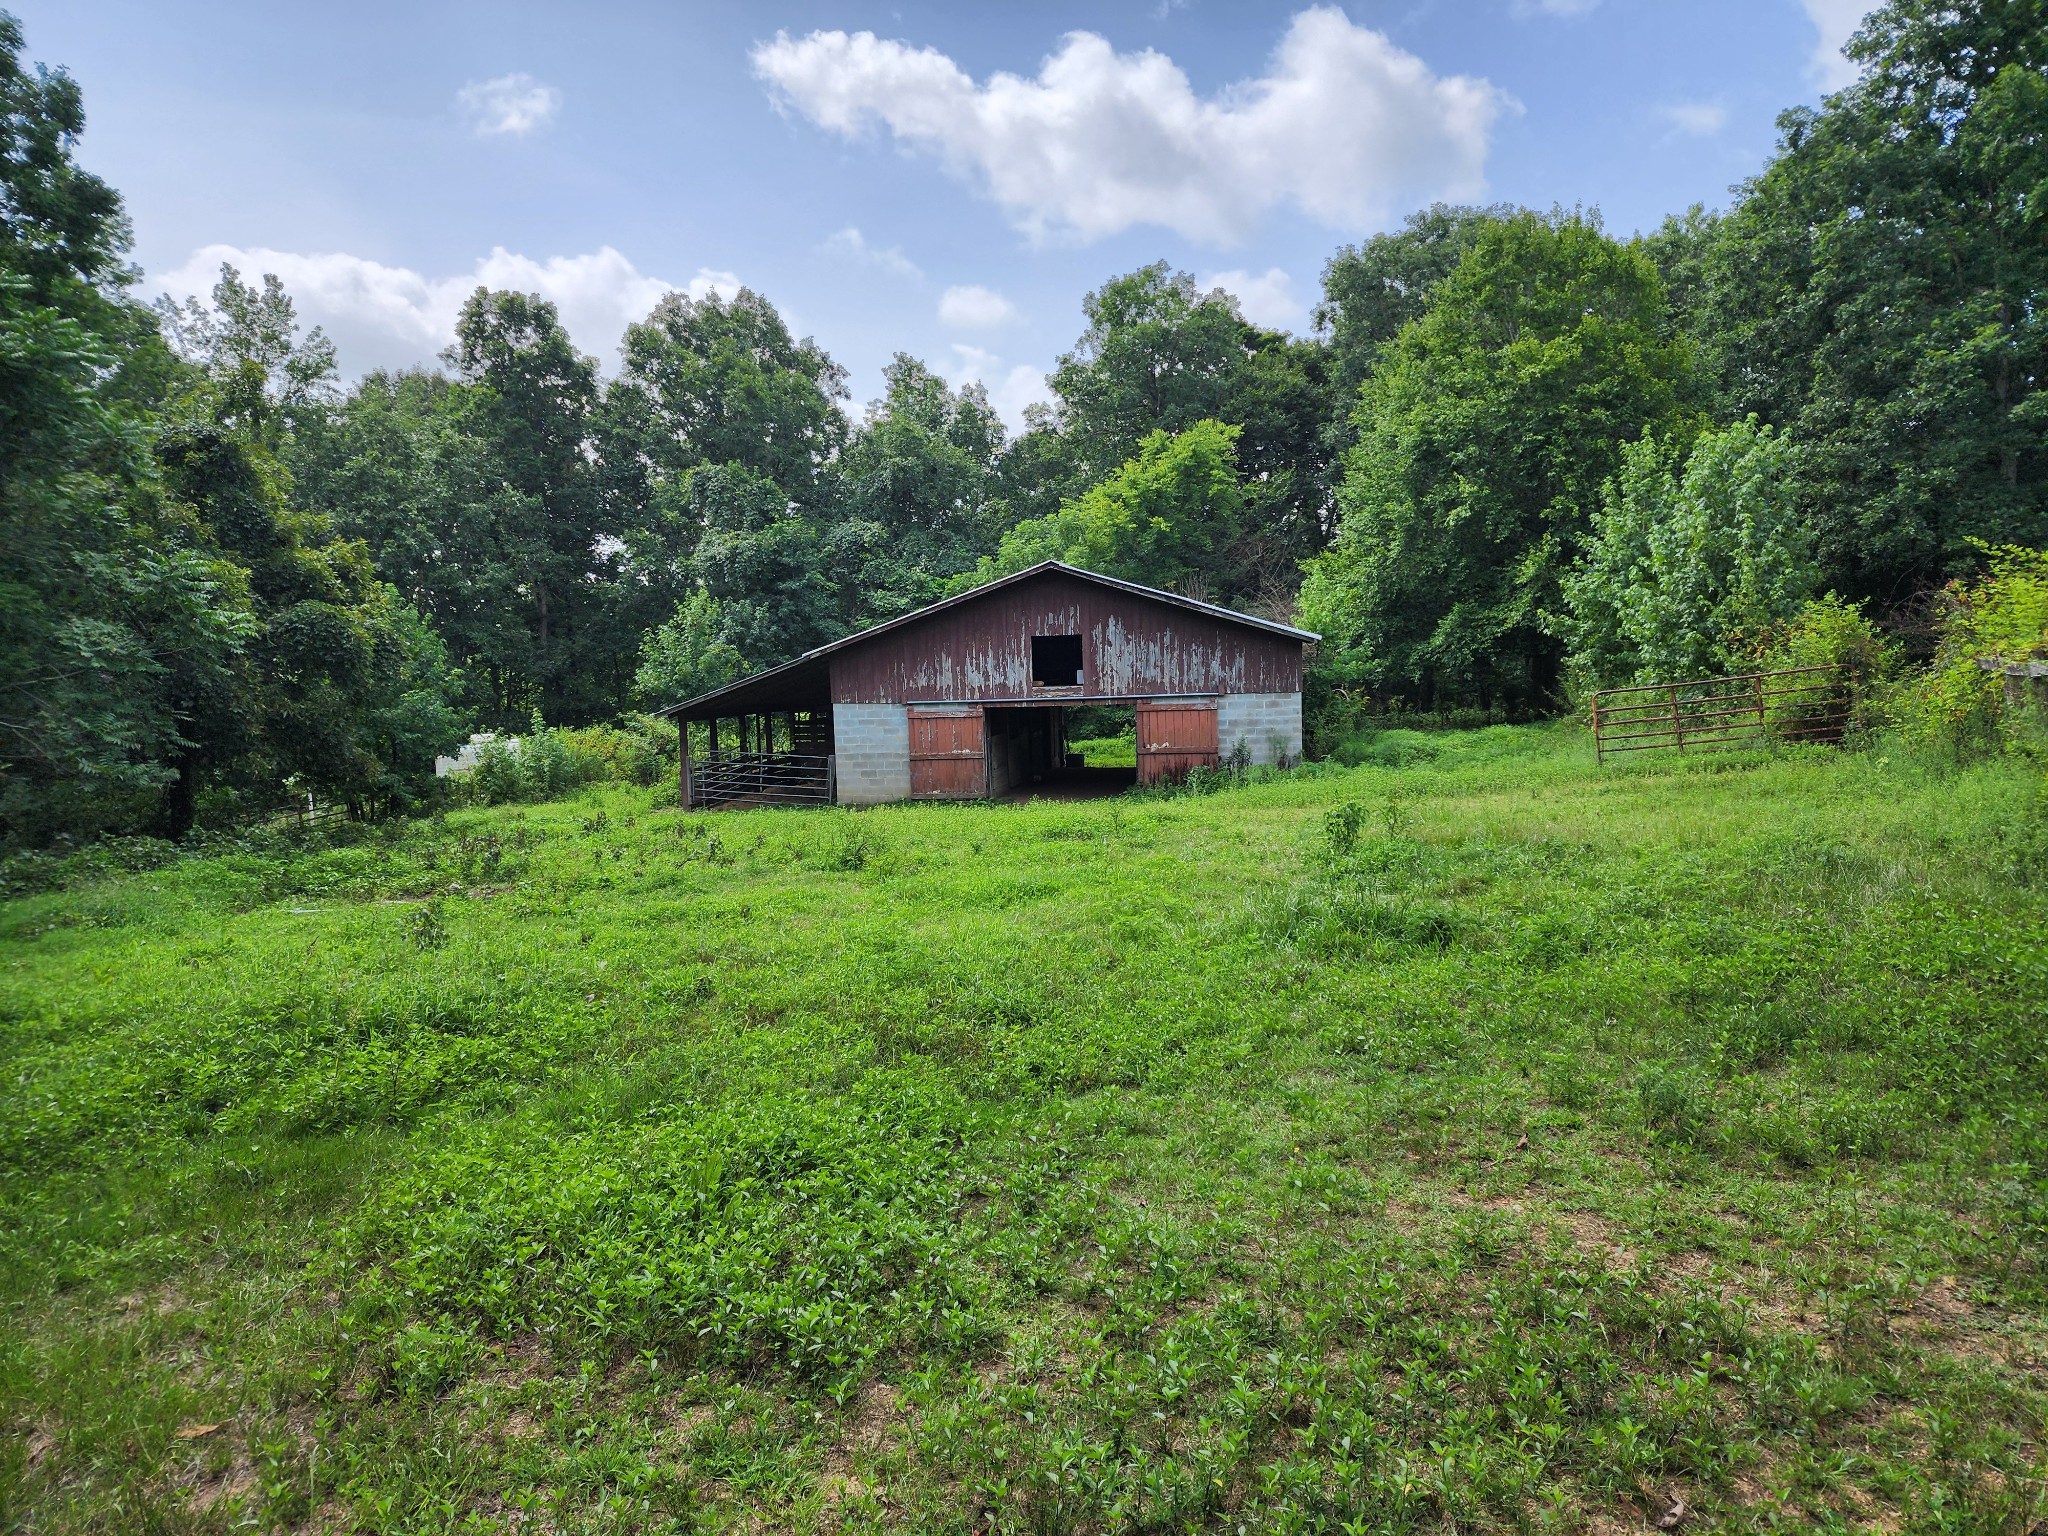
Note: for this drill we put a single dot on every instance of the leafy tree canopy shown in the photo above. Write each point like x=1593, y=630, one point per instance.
x=1691, y=559
x=1160, y=519
x=722, y=381
x=1877, y=293
x=1485, y=435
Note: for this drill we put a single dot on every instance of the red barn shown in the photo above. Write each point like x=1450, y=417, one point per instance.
x=967, y=699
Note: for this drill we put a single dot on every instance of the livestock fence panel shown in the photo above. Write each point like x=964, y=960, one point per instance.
x=1716, y=713
x=760, y=778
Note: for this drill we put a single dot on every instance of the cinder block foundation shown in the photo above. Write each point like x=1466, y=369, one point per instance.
x=1269, y=724
x=872, y=745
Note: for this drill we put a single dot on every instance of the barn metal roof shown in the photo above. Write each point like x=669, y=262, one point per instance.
x=774, y=688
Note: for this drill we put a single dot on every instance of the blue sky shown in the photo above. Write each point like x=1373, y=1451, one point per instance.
x=947, y=180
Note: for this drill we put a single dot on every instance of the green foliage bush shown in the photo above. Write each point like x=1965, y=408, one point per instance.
x=548, y=762
x=1956, y=709
x=1826, y=632
x=687, y=654
x=1691, y=556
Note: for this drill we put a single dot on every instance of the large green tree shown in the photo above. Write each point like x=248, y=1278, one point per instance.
x=529, y=497
x=721, y=386
x=1372, y=290
x=1160, y=519
x=1880, y=293
x=762, y=561
x=1694, y=555
x=341, y=688
x=254, y=329
x=1485, y=433
x=912, y=493
x=103, y=605
x=713, y=380
x=1160, y=354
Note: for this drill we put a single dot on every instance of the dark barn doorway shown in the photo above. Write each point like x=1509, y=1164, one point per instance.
x=1031, y=753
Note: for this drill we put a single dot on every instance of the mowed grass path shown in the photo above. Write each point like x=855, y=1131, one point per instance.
x=1492, y=1142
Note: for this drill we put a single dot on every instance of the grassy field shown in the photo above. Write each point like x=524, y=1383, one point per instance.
x=1107, y=751
x=1469, y=1139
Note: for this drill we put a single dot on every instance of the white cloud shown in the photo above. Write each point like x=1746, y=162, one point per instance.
x=1700, y=118
x=849, y=244
x=514, y=104
x=1344, y=125
x=971, y=307
x=1834, y=21
x=1010, y=389
x=394, y=317
x=1264, y=298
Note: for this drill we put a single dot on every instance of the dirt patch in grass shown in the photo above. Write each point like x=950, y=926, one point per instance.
x=231, y=1487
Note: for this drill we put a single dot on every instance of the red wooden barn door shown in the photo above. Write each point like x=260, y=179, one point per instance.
x=948, y=759
x=1172, y=738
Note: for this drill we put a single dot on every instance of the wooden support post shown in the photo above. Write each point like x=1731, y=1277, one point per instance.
x=683, y=766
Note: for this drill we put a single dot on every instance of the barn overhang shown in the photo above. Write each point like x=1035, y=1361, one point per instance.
x=801, y=685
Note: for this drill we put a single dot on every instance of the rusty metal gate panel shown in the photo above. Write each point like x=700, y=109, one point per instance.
x=1172, y=738
x=948, y=754
x=1749, y=709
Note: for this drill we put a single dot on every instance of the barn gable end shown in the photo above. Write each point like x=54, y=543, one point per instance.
x=968, y=698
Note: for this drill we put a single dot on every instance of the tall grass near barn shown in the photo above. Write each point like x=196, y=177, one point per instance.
x=1466, y=1136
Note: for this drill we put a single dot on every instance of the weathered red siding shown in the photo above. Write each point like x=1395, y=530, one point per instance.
x=1132, y=647
x=947, y=760
x=1172, y=738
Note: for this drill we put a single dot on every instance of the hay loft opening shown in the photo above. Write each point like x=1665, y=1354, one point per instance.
x=1056, y=661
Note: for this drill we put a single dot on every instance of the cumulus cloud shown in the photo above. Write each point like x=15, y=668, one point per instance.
x=849, y=244
x=971, y=307
x=393, y=317
x=1343, y=125
x=1699, y=118
x=1010, y=388
x=1265, y=298
x=510, y=104
x=1834, y=22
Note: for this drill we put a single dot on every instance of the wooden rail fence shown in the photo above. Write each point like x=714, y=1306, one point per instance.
x=1715, y=713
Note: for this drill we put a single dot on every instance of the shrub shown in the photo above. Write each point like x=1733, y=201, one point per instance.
x=498, y=777
x=547, y=762
x=1341, y=826
x=1826, y=632
x=1957, y=709
x=1685, y=562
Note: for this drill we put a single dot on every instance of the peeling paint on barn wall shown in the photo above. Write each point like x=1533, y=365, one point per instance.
x=1132, y=647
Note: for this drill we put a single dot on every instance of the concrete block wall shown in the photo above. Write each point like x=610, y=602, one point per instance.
x=1268, y=724
x=872, y=745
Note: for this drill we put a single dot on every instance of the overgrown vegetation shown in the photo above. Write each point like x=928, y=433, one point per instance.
x=1485, y=1140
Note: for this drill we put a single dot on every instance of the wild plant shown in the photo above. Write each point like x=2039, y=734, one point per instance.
x=425, y=926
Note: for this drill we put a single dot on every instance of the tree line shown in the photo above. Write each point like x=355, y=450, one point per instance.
x=1515, y=455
